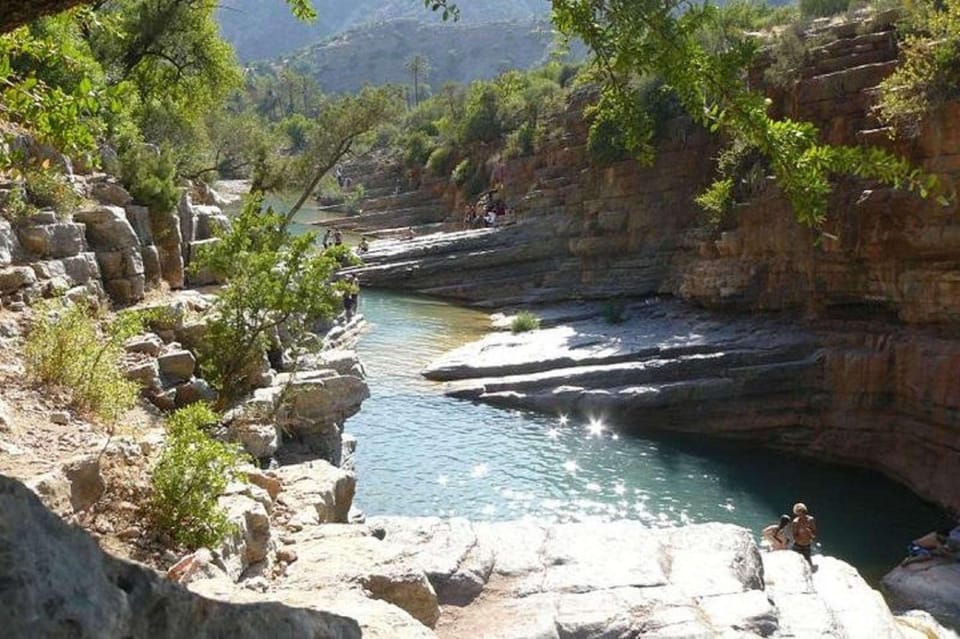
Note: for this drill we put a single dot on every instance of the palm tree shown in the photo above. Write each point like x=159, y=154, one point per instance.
x=419, y=66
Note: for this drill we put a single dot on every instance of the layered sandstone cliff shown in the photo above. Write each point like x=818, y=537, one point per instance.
x=878, y=288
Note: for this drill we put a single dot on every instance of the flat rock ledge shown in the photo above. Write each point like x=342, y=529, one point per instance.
x=666, y=361
x=932, y=585
x=425, y=578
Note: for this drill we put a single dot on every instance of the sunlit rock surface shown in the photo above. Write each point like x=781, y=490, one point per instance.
x=855, y=394
x=931, y=585
x=56, y=582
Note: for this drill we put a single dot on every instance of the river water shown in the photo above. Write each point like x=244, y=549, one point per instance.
x=421, y=453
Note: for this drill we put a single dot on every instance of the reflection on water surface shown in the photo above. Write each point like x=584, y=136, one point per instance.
x=420, y=453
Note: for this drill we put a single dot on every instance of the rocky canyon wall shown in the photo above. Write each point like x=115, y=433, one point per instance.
x=879, y=286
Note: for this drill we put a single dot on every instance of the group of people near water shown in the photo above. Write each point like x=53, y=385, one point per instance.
x=944, y=543
x=335, y=238
x=487, y=211
x=797, y=533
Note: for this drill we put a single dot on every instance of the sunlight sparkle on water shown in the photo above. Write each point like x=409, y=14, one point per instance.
x=553, y=433
x=563, y=420
x=619, y=489
x=480, y=470
x=595, y=428
x=570, y=466
x=593, y=487
x=443, y=480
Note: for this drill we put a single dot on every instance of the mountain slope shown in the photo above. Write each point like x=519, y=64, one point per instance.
x=263, y=29
x=461, y=52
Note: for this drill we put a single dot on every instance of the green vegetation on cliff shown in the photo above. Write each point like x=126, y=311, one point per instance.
x=69, y=346
x=192, y=473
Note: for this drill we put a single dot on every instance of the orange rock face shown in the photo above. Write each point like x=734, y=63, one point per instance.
x=885, y=271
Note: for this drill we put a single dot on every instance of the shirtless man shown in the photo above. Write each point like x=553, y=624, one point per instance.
x=804, y=531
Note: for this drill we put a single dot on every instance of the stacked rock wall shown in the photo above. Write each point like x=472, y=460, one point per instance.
x=109, y=244
x=880, y=282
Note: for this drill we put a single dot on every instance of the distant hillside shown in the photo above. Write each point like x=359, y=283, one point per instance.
x=264, y=29
x=461, y=52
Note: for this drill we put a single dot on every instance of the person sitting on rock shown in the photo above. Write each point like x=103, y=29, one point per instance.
x=364, y=245
x=933, y=544
x=337, y=238
x=778, y=536
x=804, y=529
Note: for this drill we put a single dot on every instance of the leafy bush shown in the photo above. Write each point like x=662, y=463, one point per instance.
x=789, y=53
x=442, y=161
x=47, y=189
x=822, y=8
x=482, y=122
x=521, y=143
x=524, y=321
x=929, y=73
x=343, y=255
x=150, y=176
x=192, y=472
x=417, y=149
x=462, y=171
x=13, y=204
x=606, y=143
x=68, y=346
x=273, y=279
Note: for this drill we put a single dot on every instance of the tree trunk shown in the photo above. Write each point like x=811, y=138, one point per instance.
x=15, y=13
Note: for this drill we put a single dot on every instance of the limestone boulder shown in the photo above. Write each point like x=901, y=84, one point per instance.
x=338, y=555
x=251, y=541
x=932, y=585
x=259, y=440
x=317, y=492
x=145, y=372
x=202, y=277
x=177, y=366
x=165, y=229
x=126, y=290
x=110, y=193
x=48, y=562
x=150, y=256
x=76, y=485
x=14, y=278
x=81, y=269
x=196, y=389
x=147, y=344
x=327, y=398
x=447, y=550
x=9, y=243
x=121, y=264
x=55, y=240
x=107, y=228
x=187, y=220
x=210, y=222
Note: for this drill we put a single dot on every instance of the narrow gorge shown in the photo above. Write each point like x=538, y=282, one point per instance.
x=400, y=460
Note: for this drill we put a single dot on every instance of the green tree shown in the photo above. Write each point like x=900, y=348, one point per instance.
x=191, y=474
x=273, y=279
x=338, y=127
x=419, y=67
x=636, y=37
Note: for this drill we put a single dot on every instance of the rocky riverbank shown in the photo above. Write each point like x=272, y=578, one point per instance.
x=396, y=577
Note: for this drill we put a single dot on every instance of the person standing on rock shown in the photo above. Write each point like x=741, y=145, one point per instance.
x=804, y=529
